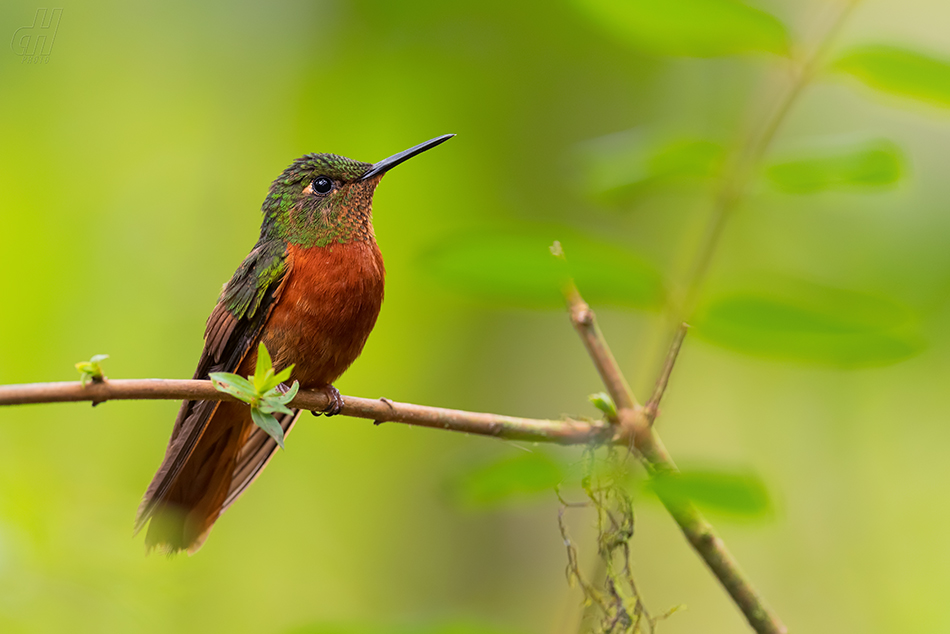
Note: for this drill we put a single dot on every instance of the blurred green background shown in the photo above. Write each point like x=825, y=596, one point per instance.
x=133, y=165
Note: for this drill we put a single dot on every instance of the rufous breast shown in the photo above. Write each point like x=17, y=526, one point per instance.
x=326, y=310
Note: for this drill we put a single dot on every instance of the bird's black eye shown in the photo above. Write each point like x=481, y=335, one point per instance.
x=322, y=184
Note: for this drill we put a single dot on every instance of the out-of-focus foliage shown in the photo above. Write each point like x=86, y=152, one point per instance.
x=733, y=493
x=812, y=324
x=621, y=166
x=868, y=165
x=516, y=268
x=700, y=28
x=900, y=71
x=508, y=479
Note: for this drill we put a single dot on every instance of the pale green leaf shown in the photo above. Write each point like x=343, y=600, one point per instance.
x=262, y=383
x=812, y=325
x=264, y=369
x=517, y=269
x=899, y=71
x=603, y=402
x=271, y=406
x=283, y=375
x=618, y=167
x=235, y=380
x=91, y=370
x=269, y=424
x=736, y=493
x=507, y=479
x=694, y=28
x=696, y=158
x=287, y=396
x=870, y=165
x=234, y=385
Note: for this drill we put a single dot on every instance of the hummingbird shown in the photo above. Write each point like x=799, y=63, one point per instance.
x=310, y=290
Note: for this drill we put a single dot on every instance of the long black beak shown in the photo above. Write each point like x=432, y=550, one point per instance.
x=388, y=163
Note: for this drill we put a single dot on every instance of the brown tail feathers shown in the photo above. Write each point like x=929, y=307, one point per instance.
x=227, y=458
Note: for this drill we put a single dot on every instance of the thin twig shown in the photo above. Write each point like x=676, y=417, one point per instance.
x=584, y=321
x=659, y=390
x=564, y=432
x=630, y=413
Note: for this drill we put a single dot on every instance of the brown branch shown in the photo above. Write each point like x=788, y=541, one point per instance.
x=636, y=427
x=564, y=432
x=585, y=323
x=699, y=532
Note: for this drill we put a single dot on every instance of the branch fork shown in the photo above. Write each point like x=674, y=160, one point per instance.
x=635, y=429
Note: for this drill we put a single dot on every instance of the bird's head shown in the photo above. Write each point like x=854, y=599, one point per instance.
x=325, y=198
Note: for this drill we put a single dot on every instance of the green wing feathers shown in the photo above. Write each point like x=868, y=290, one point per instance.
x=233, y=330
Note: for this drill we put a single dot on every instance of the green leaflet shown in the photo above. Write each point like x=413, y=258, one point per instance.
x=269, y=424
x=812, y=324
x=91, y=370
x=868, y=165
x=619, y=167
x=899, y=71
x=509, y=478
x=738, y=493
x=517, y=269
x=262, y=392
x=694, y=28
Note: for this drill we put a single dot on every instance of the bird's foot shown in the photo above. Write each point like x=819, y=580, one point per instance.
x=336, y=402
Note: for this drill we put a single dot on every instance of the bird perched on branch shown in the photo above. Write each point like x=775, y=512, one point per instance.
x=310, y=290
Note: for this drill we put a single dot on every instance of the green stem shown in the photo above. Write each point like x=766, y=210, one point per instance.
x=744, y=167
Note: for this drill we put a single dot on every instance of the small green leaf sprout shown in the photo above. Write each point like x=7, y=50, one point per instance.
x=91, y=370
x=262, y=391
x=603, y=402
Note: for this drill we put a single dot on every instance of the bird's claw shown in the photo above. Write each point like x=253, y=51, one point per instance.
x=336, y=402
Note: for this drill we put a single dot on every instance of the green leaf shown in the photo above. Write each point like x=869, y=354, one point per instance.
x=517, y=269
x=507, y=479
x=694, y=28
x=899, y=71
x=603, y=402
x=234, y=385
x=283, y=375
x=287, y=396
x=271, y=406
x=269, y=424
x=264, y=370
x=812, y=324
x=695, y=158
x=91, y=370
x=621, y=166
x=736, y=493
x=874, y=164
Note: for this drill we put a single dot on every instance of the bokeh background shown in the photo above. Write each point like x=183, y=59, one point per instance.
x=133, y=165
